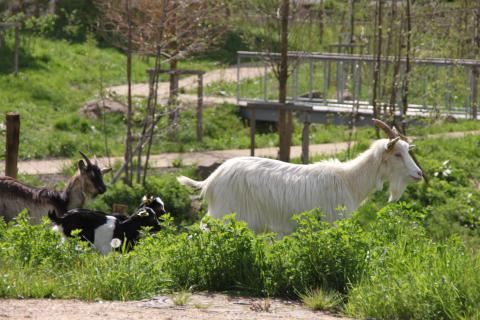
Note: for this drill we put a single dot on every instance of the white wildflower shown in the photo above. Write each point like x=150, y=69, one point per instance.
x=115, y=243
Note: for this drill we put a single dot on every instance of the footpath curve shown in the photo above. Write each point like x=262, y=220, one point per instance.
x=202, y=158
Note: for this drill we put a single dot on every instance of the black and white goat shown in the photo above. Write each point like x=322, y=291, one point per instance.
x=103, y=230
x=16, y=196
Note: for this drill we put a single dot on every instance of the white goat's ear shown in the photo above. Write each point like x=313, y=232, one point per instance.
x=389, y=146
x=106, y=170
x=411, y=147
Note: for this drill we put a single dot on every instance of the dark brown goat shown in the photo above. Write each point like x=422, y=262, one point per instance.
x=16, y=196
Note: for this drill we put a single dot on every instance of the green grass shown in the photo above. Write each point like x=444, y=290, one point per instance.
x=414, y=260
x=56, y=78
x=322, y=300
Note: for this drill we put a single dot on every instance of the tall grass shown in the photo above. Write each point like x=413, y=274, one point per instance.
x=388, y=269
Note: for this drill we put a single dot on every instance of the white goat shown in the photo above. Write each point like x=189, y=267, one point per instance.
x=267, y=193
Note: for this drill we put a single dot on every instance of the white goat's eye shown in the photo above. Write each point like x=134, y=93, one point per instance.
x=398, y=155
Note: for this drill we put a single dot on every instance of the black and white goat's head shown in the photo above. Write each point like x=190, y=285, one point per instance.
x=155, y=203
x=91, y=176
x=148, y=213
x=399, y=164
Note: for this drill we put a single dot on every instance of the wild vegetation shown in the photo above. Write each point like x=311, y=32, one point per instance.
x=416, y=259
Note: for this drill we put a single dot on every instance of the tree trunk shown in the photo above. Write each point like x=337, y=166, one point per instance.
x=284, y=116
x=407, y=62
x=352, y=25
x=388, y=49
x=376, y=71
x=128, y=139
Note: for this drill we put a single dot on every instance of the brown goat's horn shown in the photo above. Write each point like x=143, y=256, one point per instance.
x=86, y=158
x=386, y=128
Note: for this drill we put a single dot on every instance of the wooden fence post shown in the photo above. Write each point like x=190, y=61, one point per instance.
x=305, y=137
x=474, y=92
x=200, y=108
x=252, y=131
x=13, y=138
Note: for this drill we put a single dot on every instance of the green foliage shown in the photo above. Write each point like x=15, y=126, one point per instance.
x=56, y=78
x=413, y=277
x=316, y=255
x=388, y=269
x=176, y=198
x=75, y=19
x=222, y=259
x=323, y=300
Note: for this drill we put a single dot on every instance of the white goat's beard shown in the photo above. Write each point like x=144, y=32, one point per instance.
x=397, y=187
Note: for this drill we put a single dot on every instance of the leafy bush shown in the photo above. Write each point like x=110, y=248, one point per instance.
x=316, y=255
x=224, y=258
x=389, y=268
x=176, y=198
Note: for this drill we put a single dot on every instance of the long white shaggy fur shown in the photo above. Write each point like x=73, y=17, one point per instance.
x=267, y=193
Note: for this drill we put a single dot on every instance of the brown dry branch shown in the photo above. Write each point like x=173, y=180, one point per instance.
x=279, y=27
x=170, y=31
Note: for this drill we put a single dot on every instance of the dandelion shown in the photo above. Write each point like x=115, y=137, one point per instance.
x=447, y=172
x=115, y=243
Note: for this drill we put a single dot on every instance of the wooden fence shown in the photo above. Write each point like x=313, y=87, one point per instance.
x=305, y=110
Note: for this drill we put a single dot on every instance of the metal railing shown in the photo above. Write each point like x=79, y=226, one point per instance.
x=340, y=82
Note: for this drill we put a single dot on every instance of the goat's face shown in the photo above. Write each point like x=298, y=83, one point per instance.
x=155, y=203
x=92, y=177
x=400, y=168
x=147, y=217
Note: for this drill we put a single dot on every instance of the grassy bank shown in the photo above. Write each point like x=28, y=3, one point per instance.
x=416, y=259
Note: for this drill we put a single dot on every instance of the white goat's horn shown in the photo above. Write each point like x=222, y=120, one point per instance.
x=392, y=142
x=386, y=128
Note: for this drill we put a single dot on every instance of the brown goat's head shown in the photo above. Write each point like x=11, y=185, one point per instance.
x=92, y=176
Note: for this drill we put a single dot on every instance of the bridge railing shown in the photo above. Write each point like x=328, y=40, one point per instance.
x=341, y=82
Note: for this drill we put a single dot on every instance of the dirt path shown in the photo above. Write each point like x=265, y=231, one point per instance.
x=167, y=160
x=203, y=158
x=228, y=75
x=198, y=306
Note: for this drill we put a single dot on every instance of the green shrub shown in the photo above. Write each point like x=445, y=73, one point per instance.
x=316, y=255
x=418, y=279
x=176, y=198
x=223, y=258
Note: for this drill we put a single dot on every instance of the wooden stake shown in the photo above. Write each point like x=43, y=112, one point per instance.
x=252, y=131
x=474, y=92
x=13, y=138
x=305, y=137
x=200, y=109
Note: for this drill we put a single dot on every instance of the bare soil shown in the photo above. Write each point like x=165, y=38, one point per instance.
x=198, y=306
